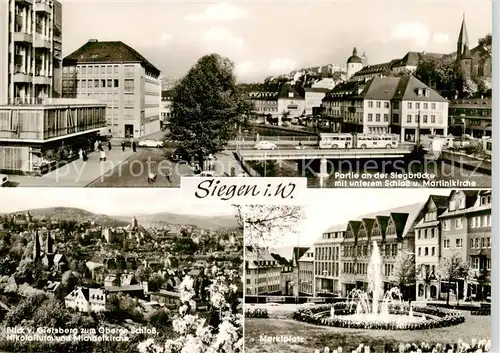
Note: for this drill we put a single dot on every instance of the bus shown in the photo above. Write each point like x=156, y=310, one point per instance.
x=333, y=140
x=376, y=141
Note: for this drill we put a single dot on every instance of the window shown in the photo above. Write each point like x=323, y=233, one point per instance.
x=433, y=251
x=426, y=105
x=109, y=70
x=419, y=234
x=471, y=243
x=370, y=104
x=426, y=251
x=109, y=83
x=386, y=117
x=459, y=223
x=129, y=85
x=417, y=105
x=89, y=83
x=409, y=105
x=446, y=244
x=476, y=243
x=488, y=242
x=378, y=104
x=425, y=119
x=433, y=234
x=386, y=104
x=396, y=105
x=461, y=203
x=419, y=251
x=483, y=243
x=370, y=116
x=458, y=243
x=103, y=83
x=447, y=224
x=377, y=116
x=90, y=70
x=488, y=264
x=116, y=83
x=489, y=220
x=83, y=70
x=408, y=118
x=433, y=106
x=485, y=221
x=395, y=118
x=475, y=263
x=452, y=205
x=96, y=83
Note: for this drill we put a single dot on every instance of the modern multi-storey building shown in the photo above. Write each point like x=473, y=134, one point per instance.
x=327, y=261
x=26, y=51
x=313, y=98
x=57, y=51
x=117, y=75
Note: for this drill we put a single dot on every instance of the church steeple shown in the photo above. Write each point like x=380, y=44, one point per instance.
x=36, y=247
x=49, y=245
x=463, y=39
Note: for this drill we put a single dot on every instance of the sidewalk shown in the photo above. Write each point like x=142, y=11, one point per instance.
x=77, y=173
x=224, y=162
x=158, y=135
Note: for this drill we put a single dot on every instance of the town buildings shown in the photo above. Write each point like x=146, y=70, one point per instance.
x=305, y=273
x=86, y=300
x=470, y=116
x=165, y=108
x=388, y=105
x=117, y=75
x=262, y=272
x=313, y=98
x=354, y=64
x=327, y=263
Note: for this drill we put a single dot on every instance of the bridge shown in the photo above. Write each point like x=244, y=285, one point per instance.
x=316, y=153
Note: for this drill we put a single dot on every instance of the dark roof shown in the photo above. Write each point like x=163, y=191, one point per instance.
x=381, y=88
x=368, y=224
x=412, y=58
x=298, y=251
x=167, y=94
x=441, y=202
x=286, y=90
x=280, y=260
x=462, y=36
x=354, y=58
x=108, y=52
x=317, y=90
x=399, y=220
x=382, y=222
x=375, y=69
x=354, y=225
x=408, y=87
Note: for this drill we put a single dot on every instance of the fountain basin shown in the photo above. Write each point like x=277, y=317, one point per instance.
x=377, y=318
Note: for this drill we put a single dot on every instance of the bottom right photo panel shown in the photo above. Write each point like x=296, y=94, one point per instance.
x=370, y=270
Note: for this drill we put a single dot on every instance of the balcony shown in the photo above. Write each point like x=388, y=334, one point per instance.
x=22, y=37
x=42, y=80
x=41, y=42
x=43, y=6
x=21, y=77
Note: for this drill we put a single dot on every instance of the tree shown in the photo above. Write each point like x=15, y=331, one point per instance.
x=486, y=42
x=207, y=107
x=264, y=223
x=438, y=72
x=452, y=268
x=404, y=269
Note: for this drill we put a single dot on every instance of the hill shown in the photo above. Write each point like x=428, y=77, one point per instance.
x=80, y=216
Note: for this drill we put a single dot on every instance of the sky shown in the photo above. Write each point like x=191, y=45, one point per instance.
x=114, y=201
x=267, y=38
x=338, y=206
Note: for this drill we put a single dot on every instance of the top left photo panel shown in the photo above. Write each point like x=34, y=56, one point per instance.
x=144, y=93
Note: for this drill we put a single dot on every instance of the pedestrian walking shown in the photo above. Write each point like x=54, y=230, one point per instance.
x=123, y=146
x=96, y=146
x=134, y=146
x=102, y=155
x=109, y=145
x=80, y=154
x=84, y=156
x=169, y=174
x=346, y=146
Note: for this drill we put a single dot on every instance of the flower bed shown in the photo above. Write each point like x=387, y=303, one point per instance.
x=476, y=346
x=436, y=317
x=257, y=313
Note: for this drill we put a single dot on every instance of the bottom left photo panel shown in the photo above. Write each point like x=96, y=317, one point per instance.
x=118, y=270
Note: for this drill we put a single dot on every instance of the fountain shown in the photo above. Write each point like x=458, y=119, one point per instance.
x=376, y=307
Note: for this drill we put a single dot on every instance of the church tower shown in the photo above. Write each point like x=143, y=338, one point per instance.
x=36, y=248
x=354, y=64
x=463, y=40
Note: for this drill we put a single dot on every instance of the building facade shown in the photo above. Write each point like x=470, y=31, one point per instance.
x=26, y=51
x=263, y=273
x=354, y=64
x=32, y=137
x=313, y=98
x=86, y=300
x=57, y=50
x=470, y=116
x=305, y=273
x=327, y=262
x=118, y=76
x=166, y=108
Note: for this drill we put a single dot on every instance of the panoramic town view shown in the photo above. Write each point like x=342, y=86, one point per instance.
x=410, y=272
x=110, y=274
x=112, y=106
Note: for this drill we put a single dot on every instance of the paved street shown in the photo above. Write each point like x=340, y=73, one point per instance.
x=134, y=171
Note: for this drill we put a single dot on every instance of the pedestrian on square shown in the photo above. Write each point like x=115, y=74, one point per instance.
x=123, y=146
x=96, y=146
x=84, y=156
x=346, y=146
x=134, y=146
x=168, y=174
x=102, y=155
x=109, y=145
x=80, y=154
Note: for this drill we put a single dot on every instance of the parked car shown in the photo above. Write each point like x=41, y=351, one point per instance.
x=151, y=143
x=4, y=179
x=265, y=145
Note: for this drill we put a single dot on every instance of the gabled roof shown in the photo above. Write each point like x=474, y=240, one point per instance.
x=400, y=222
x=382, y=221
x=288, y=92
x=381, y=88
x=368, y=225
x=408, y=90
x=108, y=52
x=304, y=256
x=354, y=226
x=281, y=260
x=440, y=201
x=298, y=251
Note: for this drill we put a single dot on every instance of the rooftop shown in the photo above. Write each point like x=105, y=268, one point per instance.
x=95, y=51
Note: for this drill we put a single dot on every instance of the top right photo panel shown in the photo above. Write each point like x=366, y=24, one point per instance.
x=401, y=98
